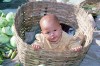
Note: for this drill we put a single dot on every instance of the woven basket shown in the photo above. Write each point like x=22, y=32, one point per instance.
x=30, y=13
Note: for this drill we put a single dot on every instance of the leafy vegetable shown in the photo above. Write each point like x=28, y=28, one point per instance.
x=10, y=18
x=4, y=38
x=2, y=14
x=89, y=7
x=13, y=41
x=0, y=30
x=3, y=22
x=13, y=29
x=7, y=40
x=1, y=60
x=7, y=30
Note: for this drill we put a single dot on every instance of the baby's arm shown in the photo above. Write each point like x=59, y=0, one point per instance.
x=37, y=43
x=36, y=46
x=76, y=49
x=76, y=43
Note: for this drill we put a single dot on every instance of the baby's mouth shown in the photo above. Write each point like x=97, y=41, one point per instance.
x=54, y=39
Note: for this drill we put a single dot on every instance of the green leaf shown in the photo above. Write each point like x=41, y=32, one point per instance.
x=7, y=30
x=3, y=22
x=4, y=38
x=10, y=18
x=13, y=41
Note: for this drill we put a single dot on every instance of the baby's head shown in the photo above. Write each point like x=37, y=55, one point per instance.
x=50, y=27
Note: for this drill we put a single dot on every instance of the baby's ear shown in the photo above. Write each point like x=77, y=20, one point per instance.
x=60, y=26
x=41, y=31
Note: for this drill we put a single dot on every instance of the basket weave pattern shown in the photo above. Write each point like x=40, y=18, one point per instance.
x=30, y=13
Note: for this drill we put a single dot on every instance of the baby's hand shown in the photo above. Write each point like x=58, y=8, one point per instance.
x=76, y=49
x=36, y=47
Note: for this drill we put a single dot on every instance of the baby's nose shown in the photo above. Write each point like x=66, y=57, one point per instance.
x=52, y=34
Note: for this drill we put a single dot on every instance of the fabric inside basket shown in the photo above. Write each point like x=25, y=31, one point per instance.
x=30, y=36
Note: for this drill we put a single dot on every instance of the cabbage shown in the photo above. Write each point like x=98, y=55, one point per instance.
x=1, y=60
x=0, y=30
x=7, y=30
x=3, y=22
x=2, y=14
x=10, y=18
x=4, y=38
x=13, y=29
x=13, y=41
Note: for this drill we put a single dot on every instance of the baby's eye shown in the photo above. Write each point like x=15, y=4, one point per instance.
x=55, y=30
x=47, y=32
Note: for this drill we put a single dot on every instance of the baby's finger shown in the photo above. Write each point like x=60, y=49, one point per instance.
x=73, y=49
x=37, y=47
x=76, y=49
x=79, y=48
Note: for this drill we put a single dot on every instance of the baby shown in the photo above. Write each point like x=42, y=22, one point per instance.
x=52, y=37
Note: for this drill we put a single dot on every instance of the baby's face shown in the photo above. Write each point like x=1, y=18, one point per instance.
x=51, y=31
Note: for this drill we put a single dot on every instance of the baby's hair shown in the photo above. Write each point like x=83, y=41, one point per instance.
x=50, y=17
x=54, y=17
